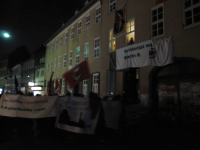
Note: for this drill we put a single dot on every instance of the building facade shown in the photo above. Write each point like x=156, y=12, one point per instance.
x=94, y=33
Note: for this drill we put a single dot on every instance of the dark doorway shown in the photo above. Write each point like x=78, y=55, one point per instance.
x=130, y=84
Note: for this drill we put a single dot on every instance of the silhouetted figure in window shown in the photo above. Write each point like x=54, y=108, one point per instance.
x=131, y=41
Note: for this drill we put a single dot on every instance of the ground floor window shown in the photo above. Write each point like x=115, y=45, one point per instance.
x=85, y=87
x=95, y=87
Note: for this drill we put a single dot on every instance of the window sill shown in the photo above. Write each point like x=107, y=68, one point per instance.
x=96, y=57
x=153, y=38
x=190, y=26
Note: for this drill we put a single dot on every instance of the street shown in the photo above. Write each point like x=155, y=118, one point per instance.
x=149, y=135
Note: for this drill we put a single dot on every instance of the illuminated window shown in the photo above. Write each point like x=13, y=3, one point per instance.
x=191, y=12
x=86, y=51
x=112, y=41
x=77, y=54
x=87, y=22
x=130, y=32
x=157, y=21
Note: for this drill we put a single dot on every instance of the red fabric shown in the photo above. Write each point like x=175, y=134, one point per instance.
x=160, y=1
x=57, y=89
x=49, y=85
x=77, y=74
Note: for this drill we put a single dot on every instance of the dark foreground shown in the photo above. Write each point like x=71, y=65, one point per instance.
x=150, y=135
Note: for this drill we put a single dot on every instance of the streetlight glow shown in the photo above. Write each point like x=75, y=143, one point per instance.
x=6, y=35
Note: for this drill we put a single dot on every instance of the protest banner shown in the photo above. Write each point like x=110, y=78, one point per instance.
x=74, y=115
x=27, y=106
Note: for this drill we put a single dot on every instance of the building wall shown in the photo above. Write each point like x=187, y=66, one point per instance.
x=71, y=45
x=184, y=39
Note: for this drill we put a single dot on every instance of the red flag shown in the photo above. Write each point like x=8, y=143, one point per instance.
x=77, y=74
x=57, y=88
x=119, y=24
x=49, y=85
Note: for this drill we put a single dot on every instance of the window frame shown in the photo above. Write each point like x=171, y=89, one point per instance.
x=158, y=21
x=78, y=27
x=96, y=49
x=85, y=87
x=47, y=68
x=87, y=22
x=111, y=3
x=51, y=66
x=52, y=47
x=192, y=7
x=111, y=40
x=70, y=58
x=64, y=60
x=72, y=33
x=66, y=36
x=56, y=44
x=60, y=44
x=55, y=62
x=59, y=62
x=130, y=31
x=78, y=54
x=86, y=53
x=98, y=16
x=95, y=85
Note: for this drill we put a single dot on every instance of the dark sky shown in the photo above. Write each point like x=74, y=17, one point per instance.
x=31, y=22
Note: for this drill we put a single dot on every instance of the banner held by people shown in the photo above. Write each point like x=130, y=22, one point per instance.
x=77, y=74
x=27, y=106
x=74, y=115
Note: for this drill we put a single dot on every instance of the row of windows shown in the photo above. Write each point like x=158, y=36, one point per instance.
x=28, y=65
x=54, y=46
x=39, y=73
x=51, y=67
x=95, y=85
x=191, y=15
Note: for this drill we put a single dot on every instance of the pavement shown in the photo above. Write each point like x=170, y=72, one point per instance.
x=150, y=134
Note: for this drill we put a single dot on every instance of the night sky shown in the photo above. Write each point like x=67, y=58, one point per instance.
x=31, y=22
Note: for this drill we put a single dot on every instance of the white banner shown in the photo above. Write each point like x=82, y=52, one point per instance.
x=27, y=106
x=74, y=114
x=157, y=53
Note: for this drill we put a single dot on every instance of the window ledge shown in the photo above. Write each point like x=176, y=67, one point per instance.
x=157, y=36
x=190, y=26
